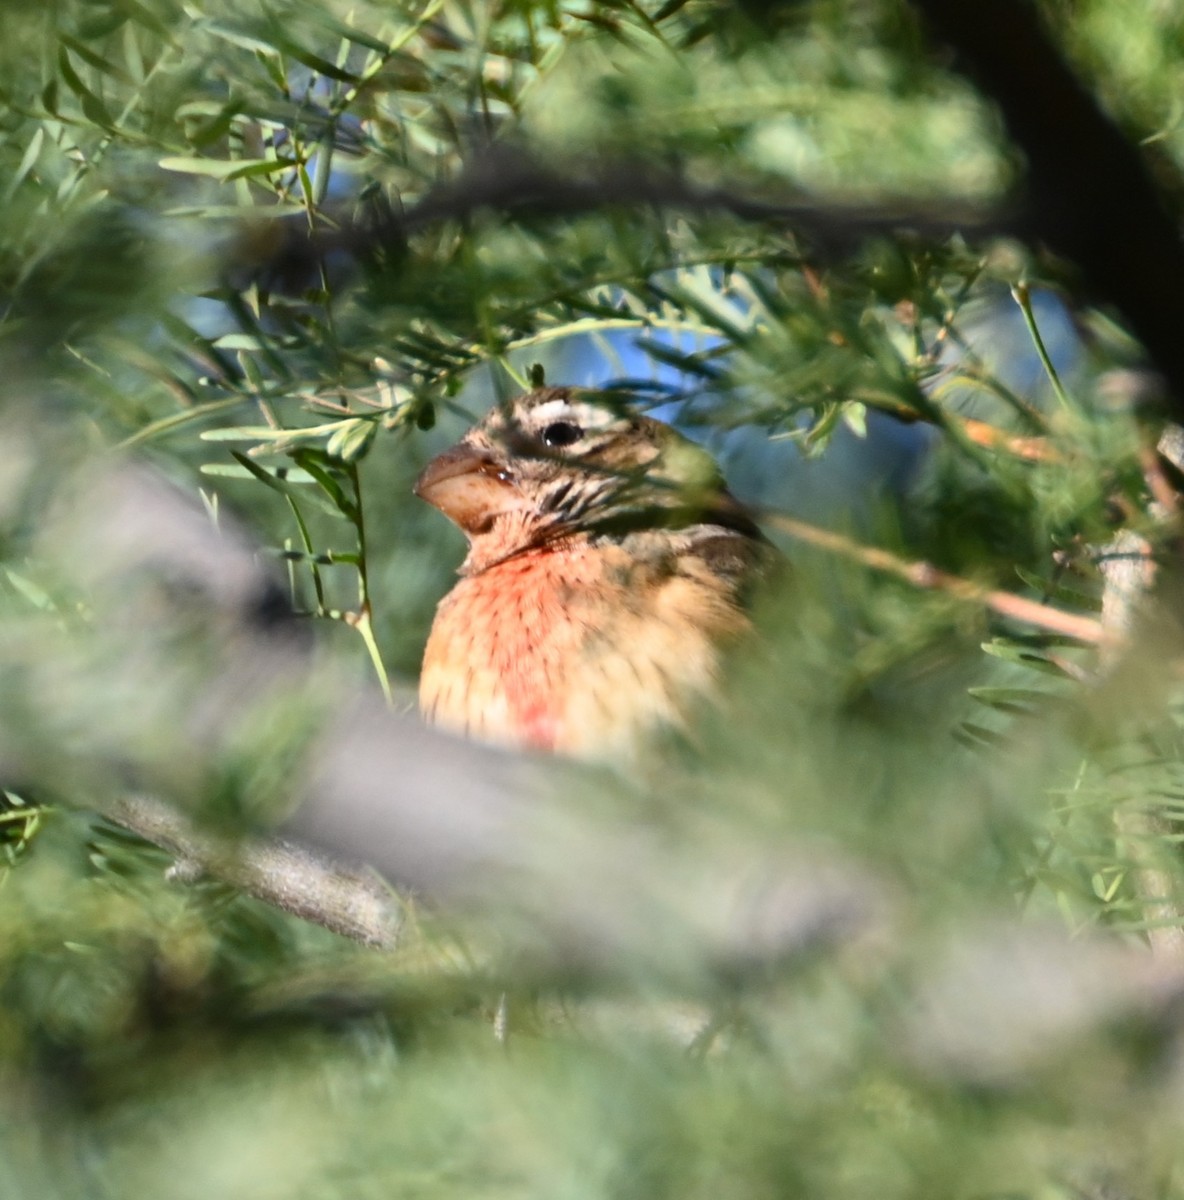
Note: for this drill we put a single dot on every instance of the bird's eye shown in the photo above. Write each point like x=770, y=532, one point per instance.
x=562, y=433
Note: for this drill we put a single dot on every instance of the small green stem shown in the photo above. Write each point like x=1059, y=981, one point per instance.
x=364, y=626
x=515, y=375
x=586, y=325
x=1023, y=298
x=306, y=540
x=362, y=623
x=175, y=421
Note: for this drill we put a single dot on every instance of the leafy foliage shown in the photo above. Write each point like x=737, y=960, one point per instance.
x=283, y=252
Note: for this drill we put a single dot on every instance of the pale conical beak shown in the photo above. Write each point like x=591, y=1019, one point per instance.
x=469, y=487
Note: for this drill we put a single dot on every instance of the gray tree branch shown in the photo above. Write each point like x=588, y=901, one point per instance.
x=349, y=900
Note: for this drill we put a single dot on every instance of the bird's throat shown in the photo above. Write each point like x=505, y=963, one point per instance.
x=515, y=534
x=517, y=628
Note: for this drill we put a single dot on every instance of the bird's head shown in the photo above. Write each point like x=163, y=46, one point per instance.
x=560, y=462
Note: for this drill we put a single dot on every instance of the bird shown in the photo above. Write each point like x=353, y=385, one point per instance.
x=608, y=570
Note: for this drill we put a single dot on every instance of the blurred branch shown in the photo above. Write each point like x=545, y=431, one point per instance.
x=511, y=182
x=508, y=180
x=569, y=891
x=351, y=901
x=994, y=998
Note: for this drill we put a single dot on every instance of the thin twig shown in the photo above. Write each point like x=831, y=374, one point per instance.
x=925, y=575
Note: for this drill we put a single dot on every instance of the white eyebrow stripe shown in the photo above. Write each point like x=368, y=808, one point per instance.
x=586, y=416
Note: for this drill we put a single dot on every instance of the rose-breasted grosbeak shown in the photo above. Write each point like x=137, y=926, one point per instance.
x=606, y=571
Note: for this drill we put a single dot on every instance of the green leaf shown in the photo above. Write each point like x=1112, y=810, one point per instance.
x=238, y=341
x=339, y=29
x=28, y=160
x=292, y=475
x=321, y=65
x=179, y=420
x=690, y=364
x=290, y=482
x=220, y=120
x=95, y=60
x=1057, y=592
x=225, y=169
x=269, y=433
x=237, y=37
x=316, y=463
x=272, y=211
x=322, y=169
x=1023, y=655
x=978, y=736
x=101, y=21
x=93, y=108
x=855, y=418
x=273, y=66
x=352, y=439
x=32, y=592
x=145, y=17
x=243, y=433
x=1020, y=701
